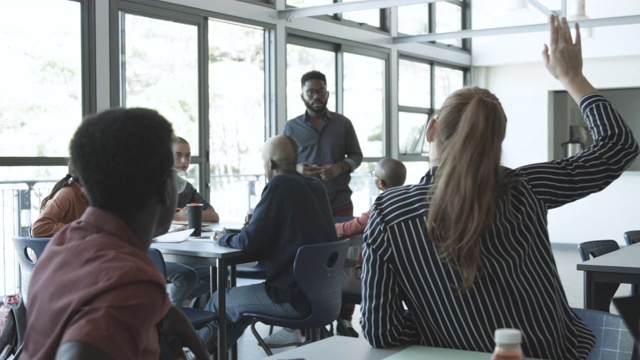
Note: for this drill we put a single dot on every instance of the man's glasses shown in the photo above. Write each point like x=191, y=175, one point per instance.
x=322, y=92
x=373, y=174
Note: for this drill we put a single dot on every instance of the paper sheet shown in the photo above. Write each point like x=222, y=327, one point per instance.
x=176, y=236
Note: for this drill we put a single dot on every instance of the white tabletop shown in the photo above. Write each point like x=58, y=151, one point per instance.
x=336, y=347
x=343, y=347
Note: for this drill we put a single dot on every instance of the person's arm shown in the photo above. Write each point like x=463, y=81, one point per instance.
x=385, y=322
x=253, y=238
x=52, y=216
x=563, y=58
x=353, y=227
x=79, y=350
x=208, y=212
x=178, y=332
x=614, y=148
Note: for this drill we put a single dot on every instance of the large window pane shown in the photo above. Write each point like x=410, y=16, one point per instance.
x=40, y=90
x=237, y=115
x=364, y=100
x=411, y=133
x=300, y=60
x=413, y=19
x=447, y=81
x=414, y=84
x=160, y=63
x=415, y=171
x=369, y=17
x=448, y=19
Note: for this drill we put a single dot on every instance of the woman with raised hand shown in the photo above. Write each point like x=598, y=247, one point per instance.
x=467, y=251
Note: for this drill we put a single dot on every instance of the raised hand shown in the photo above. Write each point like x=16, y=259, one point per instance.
x=563, y=58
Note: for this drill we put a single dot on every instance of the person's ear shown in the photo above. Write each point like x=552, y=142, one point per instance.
x=431, y=129
x=272, y=165
x=383, y=184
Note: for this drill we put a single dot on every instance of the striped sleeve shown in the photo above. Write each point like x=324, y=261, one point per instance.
x=614, y=148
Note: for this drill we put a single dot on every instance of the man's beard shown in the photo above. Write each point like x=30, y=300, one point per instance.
x=314, y=110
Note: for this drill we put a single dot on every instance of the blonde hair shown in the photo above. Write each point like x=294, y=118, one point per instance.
x=470, y=128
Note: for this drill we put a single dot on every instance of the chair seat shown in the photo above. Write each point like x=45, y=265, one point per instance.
x=198, y=317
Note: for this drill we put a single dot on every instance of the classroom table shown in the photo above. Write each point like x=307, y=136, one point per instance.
x=344, y=347
x=620, y=266
x=203, y=250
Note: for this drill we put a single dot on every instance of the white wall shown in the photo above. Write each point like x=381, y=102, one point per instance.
x=524, y=92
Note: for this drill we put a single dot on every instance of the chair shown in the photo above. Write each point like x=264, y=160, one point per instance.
x=317, y=270
x=613, y=339
x=28, y=250
x=632, y=237
x=198, y=317
x=605, y=291
x=256, y=270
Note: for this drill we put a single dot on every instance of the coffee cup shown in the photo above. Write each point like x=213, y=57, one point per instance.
x=194, y=212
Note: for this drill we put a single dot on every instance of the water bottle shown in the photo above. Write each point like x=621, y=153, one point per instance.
x=508, y=345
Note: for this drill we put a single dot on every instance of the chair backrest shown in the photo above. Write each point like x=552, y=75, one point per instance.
x=158, y=260
x=318, y=270
x=613, y=339
x=595, y=248
x=28, y=251
x=632, y=237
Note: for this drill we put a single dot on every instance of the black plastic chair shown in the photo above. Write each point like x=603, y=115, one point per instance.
x=613, y=338
x=632, y=237
x=28, y=251
x=604, y=290
x=198, y=317
x=317, y=270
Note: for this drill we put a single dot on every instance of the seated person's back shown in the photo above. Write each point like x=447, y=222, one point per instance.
x=66, y=203
x=94, y=292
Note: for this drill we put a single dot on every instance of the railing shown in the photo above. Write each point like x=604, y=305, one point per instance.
x=232, y=197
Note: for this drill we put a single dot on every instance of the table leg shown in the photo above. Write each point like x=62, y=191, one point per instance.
x=589, y=296
x=222, y=309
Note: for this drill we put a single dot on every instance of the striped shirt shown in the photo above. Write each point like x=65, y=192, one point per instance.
x=410, y=294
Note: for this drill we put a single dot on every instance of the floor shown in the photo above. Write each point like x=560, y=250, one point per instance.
x=566, y=259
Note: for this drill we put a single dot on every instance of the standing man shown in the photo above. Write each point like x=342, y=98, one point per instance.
x=328, y=147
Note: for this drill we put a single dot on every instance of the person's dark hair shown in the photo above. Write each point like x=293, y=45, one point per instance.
x=313, y=75
x=64, y=182
x=471, y=128
x=123, y=157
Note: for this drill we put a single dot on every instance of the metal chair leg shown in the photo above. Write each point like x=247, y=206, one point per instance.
x=261, y=342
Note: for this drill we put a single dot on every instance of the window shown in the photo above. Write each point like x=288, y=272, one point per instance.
x=365, y=99
x=369, y=17
x=41, y=72
x=417, y=101
x=237, y=115
x=300, y=60
x=160, y=67
x=447, y=80
x=418, y=19
x=159, y=70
